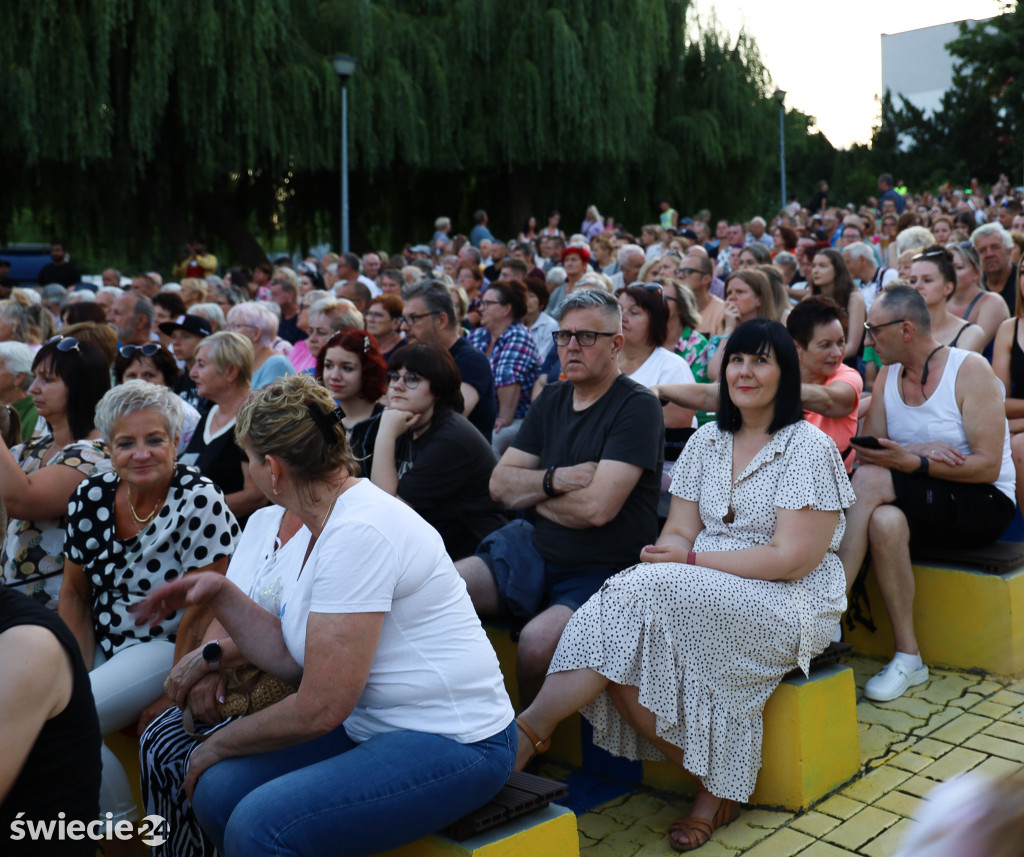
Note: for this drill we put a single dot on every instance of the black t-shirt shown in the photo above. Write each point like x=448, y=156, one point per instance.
x=444, y=475
x=66, y=275
x=220, y=460
x=475, y=369
x=62, y=771
x=1009, y=292
x=625, y=425
x=185, y=387
x=289, y=330
x=363, y=436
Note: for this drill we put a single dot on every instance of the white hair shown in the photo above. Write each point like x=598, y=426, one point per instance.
x=916, y=238
x=556, y=276
x=858, y=250
x=17, y=359
x=258, y=316
x=994, y=228
x=134, y=396
x=628, y=249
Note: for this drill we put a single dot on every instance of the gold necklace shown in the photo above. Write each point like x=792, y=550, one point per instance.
x=141, y=521
x=330, y=509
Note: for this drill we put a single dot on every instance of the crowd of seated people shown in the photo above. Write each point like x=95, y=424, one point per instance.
x=662, y=425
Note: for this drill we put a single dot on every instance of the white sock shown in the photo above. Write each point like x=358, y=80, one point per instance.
x=912, y=662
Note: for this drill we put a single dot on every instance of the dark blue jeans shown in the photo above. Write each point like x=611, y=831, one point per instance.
x=334, y=796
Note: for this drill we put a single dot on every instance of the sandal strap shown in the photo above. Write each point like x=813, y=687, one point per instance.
x=540, y=745
x=697, y=831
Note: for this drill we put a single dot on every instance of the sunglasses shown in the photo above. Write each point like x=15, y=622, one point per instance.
x=64, y=343
x=148, y=350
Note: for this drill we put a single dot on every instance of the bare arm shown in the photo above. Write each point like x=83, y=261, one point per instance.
x=340, y=648
x=696, y=397
x=830, y=400
x=470, y=397
x=598, y=502
x=393, y=424
x=75, y=607
x=518, y=482
x=992, y=312
x=973, y=339
x=508, y=401
x=36, y=675
x=43, y=494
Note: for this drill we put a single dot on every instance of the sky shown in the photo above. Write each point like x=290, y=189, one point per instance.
x=828, y=59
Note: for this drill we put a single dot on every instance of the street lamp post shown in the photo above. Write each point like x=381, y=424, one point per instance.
x=780, y=97
x=345, y=66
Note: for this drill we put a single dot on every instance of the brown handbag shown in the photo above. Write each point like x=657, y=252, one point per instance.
x=248, y=689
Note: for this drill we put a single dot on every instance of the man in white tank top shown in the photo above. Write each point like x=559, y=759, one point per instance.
x=943, y=476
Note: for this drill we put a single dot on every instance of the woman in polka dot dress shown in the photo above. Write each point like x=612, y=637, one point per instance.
x=130, y=530
x=675, y=657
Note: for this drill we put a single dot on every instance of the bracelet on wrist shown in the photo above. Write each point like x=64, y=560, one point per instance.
x=691, y=558
x=548, y=483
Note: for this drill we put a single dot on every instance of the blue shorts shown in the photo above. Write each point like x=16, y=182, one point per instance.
x=527, y=583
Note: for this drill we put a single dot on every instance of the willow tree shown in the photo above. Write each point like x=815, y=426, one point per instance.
x=132, y=122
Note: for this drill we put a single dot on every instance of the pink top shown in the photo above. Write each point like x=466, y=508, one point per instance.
x=841, y=429
x=301, y=358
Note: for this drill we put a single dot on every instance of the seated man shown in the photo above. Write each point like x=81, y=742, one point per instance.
x=588, y=460
x=943, y=476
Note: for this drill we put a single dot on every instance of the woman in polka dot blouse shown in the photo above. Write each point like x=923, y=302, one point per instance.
x=130, y=530
x=675, y=658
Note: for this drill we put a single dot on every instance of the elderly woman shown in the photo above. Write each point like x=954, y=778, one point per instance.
x=38, y=477
x=15, y=380
x=368, y=586
x=130, y=530
x=155, y=365
x=429, y=455
x=507, y=342
x=302, y=359
x=676, y=657
x=329, y=316
x=258, y=324
x=222, y=370
x=384, y=321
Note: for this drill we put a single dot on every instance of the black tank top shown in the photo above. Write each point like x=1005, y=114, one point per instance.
x=1016, y=367
x=62, y=771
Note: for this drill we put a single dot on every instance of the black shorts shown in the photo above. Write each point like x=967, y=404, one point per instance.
x=948, y=514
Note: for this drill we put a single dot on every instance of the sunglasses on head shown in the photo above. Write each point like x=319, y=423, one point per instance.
x=64, y=343
x=148, y=350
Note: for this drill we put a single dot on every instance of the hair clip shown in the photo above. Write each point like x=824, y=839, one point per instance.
x=366, y=344
x=327, y=422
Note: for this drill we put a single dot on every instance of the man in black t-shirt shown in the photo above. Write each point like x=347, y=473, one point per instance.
x=588, y=461
x=60, y=270
x=429, y=319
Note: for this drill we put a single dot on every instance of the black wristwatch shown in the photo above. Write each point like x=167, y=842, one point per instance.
x=212, y=653
x=922, y=469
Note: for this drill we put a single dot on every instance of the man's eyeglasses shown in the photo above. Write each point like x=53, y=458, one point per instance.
x=410, y=379
x=412, y=318
x=148, y=350
x=485, y=302
x=64, y=343
x=871, y=328
x=584, y=338
x=687, y=271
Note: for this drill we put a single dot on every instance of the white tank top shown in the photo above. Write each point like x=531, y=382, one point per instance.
x=939, y=418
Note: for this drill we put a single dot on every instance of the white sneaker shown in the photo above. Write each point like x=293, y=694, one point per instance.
x=894, y=681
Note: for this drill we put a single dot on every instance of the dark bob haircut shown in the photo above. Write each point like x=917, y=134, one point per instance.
x=163, y=360
x=812, y=312
x=86, y=373
x=511, y=293
x=763, y=336
x=652, y=302
x=438, y=367
x=365, y=347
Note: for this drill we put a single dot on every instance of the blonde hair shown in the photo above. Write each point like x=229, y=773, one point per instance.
x=226, y=348
x=193, y=290
x=278, y=420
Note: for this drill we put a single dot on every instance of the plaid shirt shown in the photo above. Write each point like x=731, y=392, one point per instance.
x=514, y=360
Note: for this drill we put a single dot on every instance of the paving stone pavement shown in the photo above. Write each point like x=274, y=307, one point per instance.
x=956, y=722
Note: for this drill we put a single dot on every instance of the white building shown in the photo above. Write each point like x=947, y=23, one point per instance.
x=916, y=65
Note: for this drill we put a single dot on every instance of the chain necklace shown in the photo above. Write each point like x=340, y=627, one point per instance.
x=141, y=521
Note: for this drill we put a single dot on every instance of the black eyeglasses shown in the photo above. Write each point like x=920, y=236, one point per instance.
x=148, y=350
x=871, y=328
x=584, y=338
x=64, y=343
x=687, y=271
x=415, y=317
x=410, y=379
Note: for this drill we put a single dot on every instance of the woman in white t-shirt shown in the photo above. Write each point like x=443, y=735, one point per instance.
x=401, y=712
x=643, y=358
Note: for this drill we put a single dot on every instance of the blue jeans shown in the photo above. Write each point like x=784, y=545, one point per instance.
x=334, y=796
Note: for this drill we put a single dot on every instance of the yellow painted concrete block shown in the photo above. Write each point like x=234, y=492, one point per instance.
x=549, y=832
x=964, y=619
x=810, y=739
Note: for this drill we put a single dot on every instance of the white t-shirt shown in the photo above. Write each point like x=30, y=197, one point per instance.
x=542, y=329
x=434, y=670
x=260, y=567
x=663, y=367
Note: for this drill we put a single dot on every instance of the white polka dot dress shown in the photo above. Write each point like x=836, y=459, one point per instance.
x=706, y=648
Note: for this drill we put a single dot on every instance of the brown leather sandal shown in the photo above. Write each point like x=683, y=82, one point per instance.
x=540, y=745
x=698, y=830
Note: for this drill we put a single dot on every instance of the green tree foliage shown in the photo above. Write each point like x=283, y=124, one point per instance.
x=131, y=123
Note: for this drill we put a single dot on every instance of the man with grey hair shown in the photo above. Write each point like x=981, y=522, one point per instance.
x=757, y=235
x=111, y=277
x=131, y=315
x=993, y=244
x=860, y=262
x=587, y=460
x=429, y=319
x=941, y=475
x=631, y=259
